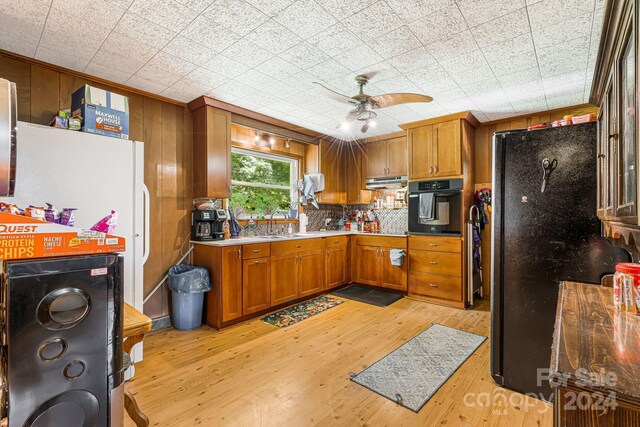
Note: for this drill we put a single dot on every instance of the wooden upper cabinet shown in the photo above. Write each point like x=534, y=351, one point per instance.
x=386, y=158
x=446, y=150
x=332, y=165
x=354, y=173
x=211, y=153
x=420, y=149
x=376, y=159
x=397, y=156
x=231, y=283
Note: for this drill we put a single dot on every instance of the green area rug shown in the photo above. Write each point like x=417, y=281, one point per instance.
x=298, y=312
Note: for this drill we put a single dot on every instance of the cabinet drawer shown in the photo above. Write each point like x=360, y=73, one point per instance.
x=296, y=246
x=336, y=242
x=435, y=243
x=256, y=250
x=447, y=263
x=435, y=286
x=382, y=241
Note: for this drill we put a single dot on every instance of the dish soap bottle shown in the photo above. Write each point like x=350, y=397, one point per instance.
x=251, y=227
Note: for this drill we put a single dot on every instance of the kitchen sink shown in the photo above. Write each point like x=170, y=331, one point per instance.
x=274, y=237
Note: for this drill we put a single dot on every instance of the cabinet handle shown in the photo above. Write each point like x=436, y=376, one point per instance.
x=601, y=155
x=239, y=254
x=430, y=169
x=433, y=262
x=434, y=244
x=298, y=246
x=435, y=169
x=255, y=251
x=257, y=262
x=433, y=285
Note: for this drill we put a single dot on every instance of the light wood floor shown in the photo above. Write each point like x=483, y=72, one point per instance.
x=255, y=374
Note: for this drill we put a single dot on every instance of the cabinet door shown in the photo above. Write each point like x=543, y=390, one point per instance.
x=391, y=276
x=376, y=159
x=627, y=160
x=337, y=263
x=420, y=141
x=284, y=278
x=332, y=166
x=397, y=156
x=367, y=265
x=354, y=176
x=311, y=272
x=231, y=284
x=609, y=100
x=446, y=151
x=256, y=287
x=602, y=160
x=211, y=153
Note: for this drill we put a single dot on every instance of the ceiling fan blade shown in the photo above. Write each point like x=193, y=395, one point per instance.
x=390, y=99
x=335, y=95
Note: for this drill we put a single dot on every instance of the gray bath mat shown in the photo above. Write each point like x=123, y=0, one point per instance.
x=411, y=374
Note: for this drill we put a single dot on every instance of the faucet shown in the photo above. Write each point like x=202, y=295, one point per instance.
x=270, y=230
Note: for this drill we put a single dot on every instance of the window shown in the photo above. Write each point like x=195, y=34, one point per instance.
x=261, y=182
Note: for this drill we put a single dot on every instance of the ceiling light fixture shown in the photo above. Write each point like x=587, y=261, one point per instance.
x=257, y=137
x=272, y=140
x=345, y=126
x=287, y=143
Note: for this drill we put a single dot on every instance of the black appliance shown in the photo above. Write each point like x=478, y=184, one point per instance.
x=62, y=341
x=544, y=231
x=208, y=224
x=445, y=200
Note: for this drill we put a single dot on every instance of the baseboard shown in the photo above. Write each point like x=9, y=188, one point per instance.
x=161, y=323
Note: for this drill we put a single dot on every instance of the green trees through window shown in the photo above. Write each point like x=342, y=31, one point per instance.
x=261, y=183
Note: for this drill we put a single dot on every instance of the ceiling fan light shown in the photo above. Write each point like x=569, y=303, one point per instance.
x=365, y=127
x=345, y=126
x=372, y=123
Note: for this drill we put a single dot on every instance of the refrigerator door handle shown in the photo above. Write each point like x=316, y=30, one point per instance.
x=145, y=253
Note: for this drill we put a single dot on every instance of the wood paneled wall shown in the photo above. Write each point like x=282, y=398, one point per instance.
x=484, y=166
x=165, y=128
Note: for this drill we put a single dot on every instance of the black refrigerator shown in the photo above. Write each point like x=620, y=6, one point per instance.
x=544, y=231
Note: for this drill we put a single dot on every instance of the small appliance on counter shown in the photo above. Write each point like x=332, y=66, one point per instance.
x=208, y=225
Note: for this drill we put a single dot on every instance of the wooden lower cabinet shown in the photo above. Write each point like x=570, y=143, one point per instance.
x=373, y=267
x=284, y=278
x=311, y=272
x=337, y=263
x=231, y=283
x=256, y=285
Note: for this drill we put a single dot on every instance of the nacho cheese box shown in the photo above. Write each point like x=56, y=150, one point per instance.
x=22, y=237
x=102, y=112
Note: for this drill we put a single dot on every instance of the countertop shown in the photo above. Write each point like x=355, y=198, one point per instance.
x=296, y=236
x=593, y=343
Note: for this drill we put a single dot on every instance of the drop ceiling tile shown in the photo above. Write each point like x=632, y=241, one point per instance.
x=402, y=113
x=273, y=37
x=518, y=45
x=380, y=71
x=168, y=13
x=247, y=53
x=280, y=90
x=235, y=15
x=478, y=12
x=189, y=50
x=28, y=28
x=99, y=12
x=81, y=39
x=374, y=21
x=502, y=29
x=468, y=60
x=278, y=68
x=148, y=32
x=358, y=57
x=341, y=9
x=395, y=42
x=180, y=93
x=512, y=64
x=525, y=91
x=256, y=79
x=549, y=12
x=412, y=60
x=460, y=44
x=303, y=80
x=303, y=55
x=107, y=72
x=522, y=75
x=557, y=34
x=111, y=54
x=146, y=85
x=205, y=79
x=197, y=5
x=210, y=34
x=329, y=70
x=165, y=69
x=61, y=57
x=17, y=45
x=410, y=10
x=271, y=7
x=438, y=85
x=431, y=109
x=482, y=87
x=334, y=40
x=224, y=96
x=457, y=105
x=234, y=87
x=438, y=26
x=529, y=106
x=305, y=18
x=557, y=85
x=226, y=66
x=566, y=99
x=283, y=106
x=573, y=56
x=472, y=75
x=398, y=84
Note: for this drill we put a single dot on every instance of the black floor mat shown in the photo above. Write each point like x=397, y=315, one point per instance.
x=369, y=296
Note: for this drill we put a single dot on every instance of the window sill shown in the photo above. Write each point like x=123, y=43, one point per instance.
x=267, y=221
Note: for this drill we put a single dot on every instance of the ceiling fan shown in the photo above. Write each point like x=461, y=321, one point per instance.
x=366, y=104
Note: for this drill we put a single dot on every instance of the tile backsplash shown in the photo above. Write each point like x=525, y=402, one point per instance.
x=391, y=221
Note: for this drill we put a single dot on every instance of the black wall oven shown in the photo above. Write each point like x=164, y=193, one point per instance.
x=435, y=207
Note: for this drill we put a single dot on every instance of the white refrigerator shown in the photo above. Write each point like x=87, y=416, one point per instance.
x=94, y=174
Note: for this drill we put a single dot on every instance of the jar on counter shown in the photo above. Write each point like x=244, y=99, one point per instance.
x=626, y=287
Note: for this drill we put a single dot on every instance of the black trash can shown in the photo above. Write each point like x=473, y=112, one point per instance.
x=188, y=285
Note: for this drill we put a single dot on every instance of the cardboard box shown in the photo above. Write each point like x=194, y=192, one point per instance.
x=102, y=112
x=22, y=237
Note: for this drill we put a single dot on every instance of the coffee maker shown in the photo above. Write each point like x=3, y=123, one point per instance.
x=208, y=224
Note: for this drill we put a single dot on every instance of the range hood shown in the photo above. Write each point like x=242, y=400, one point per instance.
x=389, y=182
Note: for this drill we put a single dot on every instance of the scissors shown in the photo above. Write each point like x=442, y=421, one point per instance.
x=548, y=166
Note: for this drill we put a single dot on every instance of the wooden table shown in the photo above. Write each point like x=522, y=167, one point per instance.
x=135, y=325
x=595, y=359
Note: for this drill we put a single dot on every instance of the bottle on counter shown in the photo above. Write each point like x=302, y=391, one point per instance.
x=251, y=227
x=227, y=233
x=626, y=287
x=290, y=229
